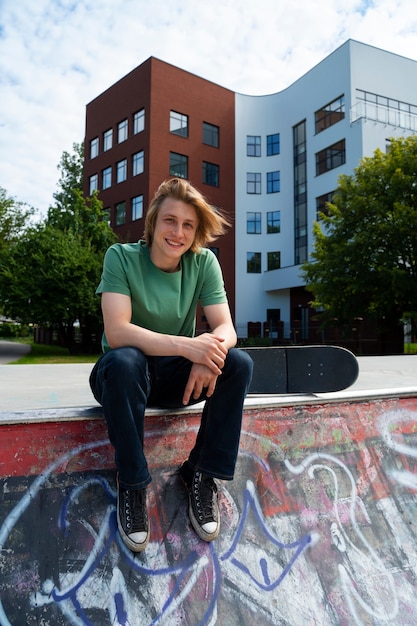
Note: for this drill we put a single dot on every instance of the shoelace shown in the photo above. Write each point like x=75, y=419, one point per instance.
x=204, y=490
x=135, y=510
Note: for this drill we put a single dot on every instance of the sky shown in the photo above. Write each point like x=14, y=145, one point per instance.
x=58, y=55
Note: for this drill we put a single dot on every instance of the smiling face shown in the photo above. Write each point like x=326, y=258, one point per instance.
x=175, y=229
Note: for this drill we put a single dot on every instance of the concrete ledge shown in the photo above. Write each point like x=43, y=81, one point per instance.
x=74, y=413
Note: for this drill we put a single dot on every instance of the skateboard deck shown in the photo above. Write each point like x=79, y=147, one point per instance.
x=302, y=369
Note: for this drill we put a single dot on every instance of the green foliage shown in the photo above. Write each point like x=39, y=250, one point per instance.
x=13, y=330
x=51, y=270
x=365, y=258
x=14, y=216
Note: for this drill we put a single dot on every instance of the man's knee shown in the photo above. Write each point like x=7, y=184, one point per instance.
x=124, y=363
x=241, y=362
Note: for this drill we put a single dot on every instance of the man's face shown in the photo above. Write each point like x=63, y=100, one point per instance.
x=174, y=234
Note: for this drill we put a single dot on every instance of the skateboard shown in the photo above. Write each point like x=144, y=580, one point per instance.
x=302, y=369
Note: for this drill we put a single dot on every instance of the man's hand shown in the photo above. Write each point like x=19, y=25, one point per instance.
x=200, y=378
x=208, y=350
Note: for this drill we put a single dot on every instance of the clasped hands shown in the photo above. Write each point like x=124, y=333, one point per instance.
x=207, y=353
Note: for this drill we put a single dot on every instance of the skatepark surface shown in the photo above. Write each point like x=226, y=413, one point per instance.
x=319, y=526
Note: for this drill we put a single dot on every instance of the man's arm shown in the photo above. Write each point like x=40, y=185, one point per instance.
x=209, y=349
x=201, y=377
x=220, y=321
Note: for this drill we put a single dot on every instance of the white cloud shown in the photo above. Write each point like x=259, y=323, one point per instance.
x=57, y=55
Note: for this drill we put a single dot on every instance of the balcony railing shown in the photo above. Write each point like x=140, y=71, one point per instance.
x=384, y=115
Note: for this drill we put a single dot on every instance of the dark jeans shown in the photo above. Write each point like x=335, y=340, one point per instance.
x=125, y=381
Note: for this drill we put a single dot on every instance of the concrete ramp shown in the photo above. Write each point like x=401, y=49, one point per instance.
x=319, y=526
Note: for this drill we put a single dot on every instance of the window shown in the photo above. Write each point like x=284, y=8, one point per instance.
x=121, y=169
x=105, y=216
x=253, y=262
x=321, y=203
x=107, y=178
x=253, y=223
x=253, y=182
x=330, y=157
x=137, y=207
x=93, y=183
x=178, y=123
x=300, y=192
x=273, y=316
x=211, y=134
x=139, y=121
x=107, y=140
x=178, y=165
x=120, y=213
x=330, y=114
x=253, y=146
x=272, y=144
x=94, y=148
x=274, y=261
x=210, y=174
x=273, y=182
x=137, y=163
x=273, y=222
x=122, y=131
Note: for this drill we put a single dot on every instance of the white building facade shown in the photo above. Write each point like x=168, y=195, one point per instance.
x=291, y=148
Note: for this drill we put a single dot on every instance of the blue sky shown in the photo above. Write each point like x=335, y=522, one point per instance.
x=57, y=55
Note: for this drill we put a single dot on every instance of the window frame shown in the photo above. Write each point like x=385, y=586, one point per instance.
x=122, y=131
x=273, y=224
x=272, y=257
x=93, y=184
x=329, y=114
x=254, y=186
x=253, y=145
x=183, y=129
x=253, y=261
x=331, y=157
x=253, y=222
x=121, y=171
x=139, y=121
x=273, y=144
x=106, y=178
x=134, y=204
x=107, y=140
x=94, y=147
x=182, y=163
x=273, y=182
x=138, y=163
x=211, y=135
x=117, y=214
x=211, y=174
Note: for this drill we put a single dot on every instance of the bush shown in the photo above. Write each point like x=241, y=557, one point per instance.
x=11, y=330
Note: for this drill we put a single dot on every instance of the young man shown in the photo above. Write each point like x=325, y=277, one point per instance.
x=149, y=293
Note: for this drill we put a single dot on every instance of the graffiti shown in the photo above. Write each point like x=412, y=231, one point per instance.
x=364, y=578
x=318, y=527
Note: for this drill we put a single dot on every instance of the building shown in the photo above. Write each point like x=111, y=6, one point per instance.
x=156, y=122
x=270, y=161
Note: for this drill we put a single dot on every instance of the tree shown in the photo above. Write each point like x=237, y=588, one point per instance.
x=51, y=271
x=364, y=261
x=70, y=186
x=14, y=217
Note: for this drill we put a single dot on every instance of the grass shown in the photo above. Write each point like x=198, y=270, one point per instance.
x=40, y=354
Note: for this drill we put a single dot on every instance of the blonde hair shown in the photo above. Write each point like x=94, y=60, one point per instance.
x=211, y=223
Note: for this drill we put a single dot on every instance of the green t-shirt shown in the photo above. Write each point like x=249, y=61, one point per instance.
x=161, y=301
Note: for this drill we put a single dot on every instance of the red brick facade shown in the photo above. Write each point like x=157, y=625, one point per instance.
x=159, y=88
